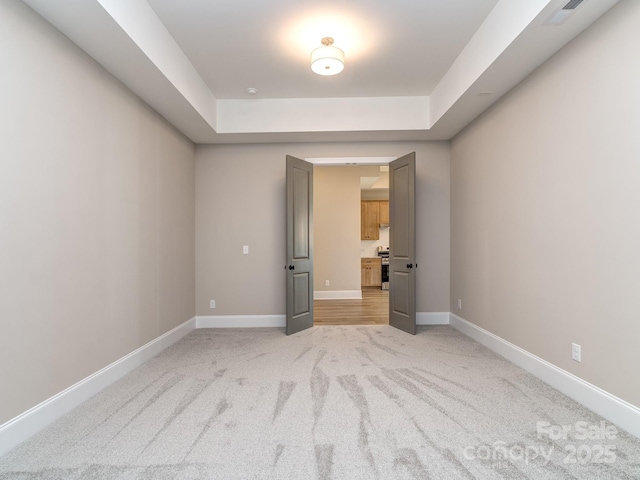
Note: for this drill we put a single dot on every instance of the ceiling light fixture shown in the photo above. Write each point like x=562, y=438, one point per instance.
x=327, y=60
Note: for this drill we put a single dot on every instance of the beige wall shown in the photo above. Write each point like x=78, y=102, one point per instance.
x=336, y=217
x=378, y=194
x=336, y=227
x=546, y=209
x=240, y=200
x=96, y=216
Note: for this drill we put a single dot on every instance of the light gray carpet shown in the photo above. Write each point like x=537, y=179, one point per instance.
x=340, y=402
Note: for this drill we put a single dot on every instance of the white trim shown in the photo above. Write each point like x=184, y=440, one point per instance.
x=614, y=409
x=351, y=160
x=258, y=321
x=337, y=295
x=240, y=321
x=27, y=424
x=432, y=318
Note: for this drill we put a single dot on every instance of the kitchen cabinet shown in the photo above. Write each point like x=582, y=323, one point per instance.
x=373, y=213
x=370, y=220
x=371, y=272
x=384, y=212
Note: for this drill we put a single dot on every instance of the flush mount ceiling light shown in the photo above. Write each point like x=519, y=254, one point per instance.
x=327, y=60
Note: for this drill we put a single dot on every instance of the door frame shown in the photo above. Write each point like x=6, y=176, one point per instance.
x=350, y=161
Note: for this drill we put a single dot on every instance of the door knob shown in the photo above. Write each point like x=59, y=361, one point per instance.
x=292, y=267
x=409, y=265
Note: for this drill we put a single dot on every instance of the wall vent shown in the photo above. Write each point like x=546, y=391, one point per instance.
x=572, y=5
x=563, y=14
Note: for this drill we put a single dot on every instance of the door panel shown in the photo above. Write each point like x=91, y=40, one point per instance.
x=402, y=244
x=400, y=300
x=299, y=266
x=401, y=211
x=301, y=230
x=300, y=294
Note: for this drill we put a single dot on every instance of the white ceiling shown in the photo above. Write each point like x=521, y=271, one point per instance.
x=399, y=48
x=414, y=70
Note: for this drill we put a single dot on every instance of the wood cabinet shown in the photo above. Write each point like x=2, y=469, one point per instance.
x=371, y=271
x=370, y=220
x=384, y=212
x=373, y=213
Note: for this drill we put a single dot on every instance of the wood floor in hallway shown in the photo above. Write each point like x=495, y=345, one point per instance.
x=373, y=309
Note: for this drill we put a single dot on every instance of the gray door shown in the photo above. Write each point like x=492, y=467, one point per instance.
x=299, y=245
x=402, y=244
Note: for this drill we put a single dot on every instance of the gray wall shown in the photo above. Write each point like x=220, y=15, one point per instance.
x=545, y=209
x=240, y=200
x=96, y=216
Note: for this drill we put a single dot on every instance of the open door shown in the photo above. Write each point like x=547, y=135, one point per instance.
x=402, y=244
x=299, y=245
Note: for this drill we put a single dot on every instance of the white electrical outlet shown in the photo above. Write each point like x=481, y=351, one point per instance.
x=245, y=249
x=212, y=304
x=576, y=352
x=459, y=304
x=326, y=283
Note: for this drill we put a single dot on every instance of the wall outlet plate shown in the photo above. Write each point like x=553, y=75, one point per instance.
x=212, y=304
x=459, y=304
x=576, y=352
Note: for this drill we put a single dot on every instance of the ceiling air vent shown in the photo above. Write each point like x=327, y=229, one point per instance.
x=564, y=13
x=572, y=5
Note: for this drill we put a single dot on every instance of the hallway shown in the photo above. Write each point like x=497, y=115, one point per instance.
x=373, y=309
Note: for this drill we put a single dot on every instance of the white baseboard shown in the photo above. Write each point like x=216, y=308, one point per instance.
x=20, y=428
x=614, y=409
x=432, y=318
x=257, y=321
x=337, y=295
x=240, y=321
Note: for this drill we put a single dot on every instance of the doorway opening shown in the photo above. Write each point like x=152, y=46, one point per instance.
x=351, y=240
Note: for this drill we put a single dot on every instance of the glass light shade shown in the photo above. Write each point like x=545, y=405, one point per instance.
x=327, y=60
